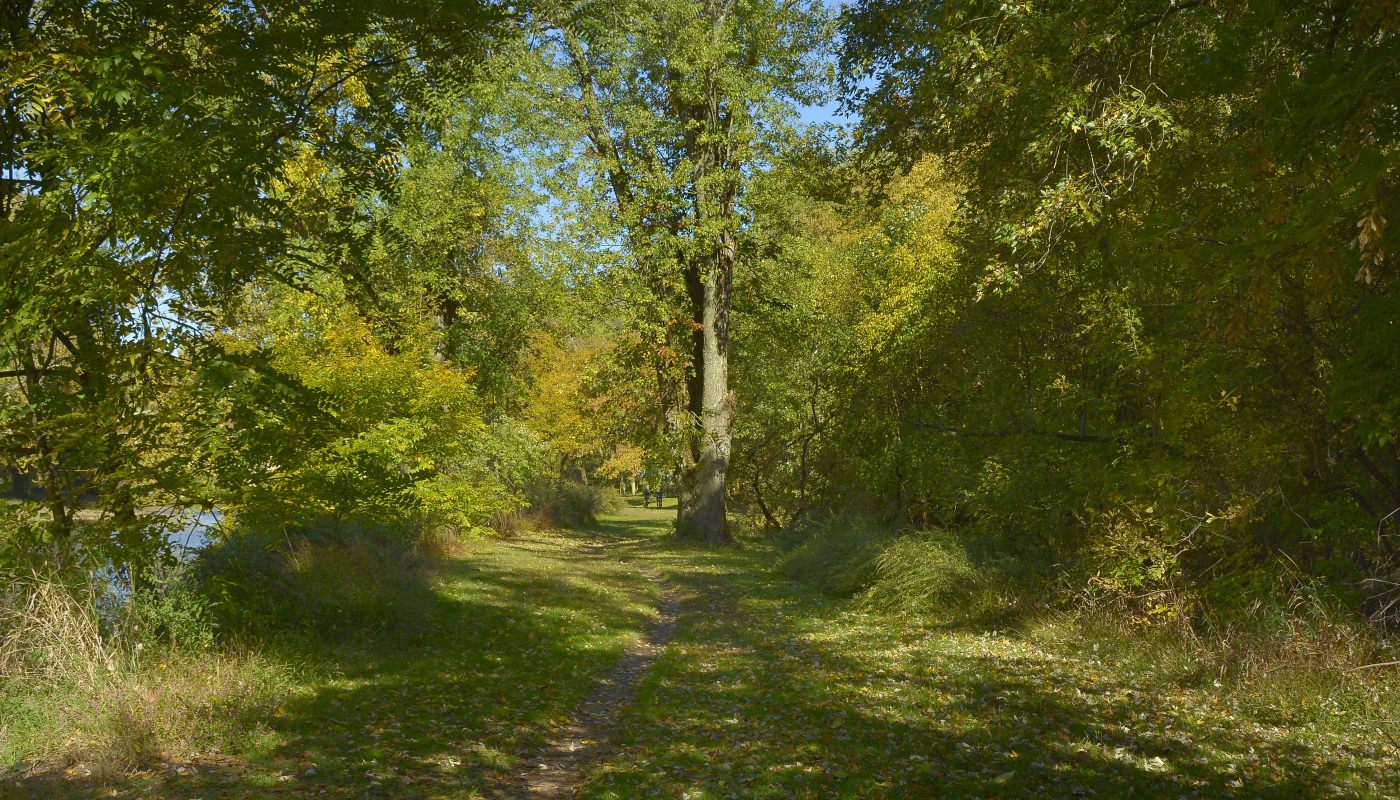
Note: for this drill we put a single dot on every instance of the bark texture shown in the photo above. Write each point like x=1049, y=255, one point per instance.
x=702, y=510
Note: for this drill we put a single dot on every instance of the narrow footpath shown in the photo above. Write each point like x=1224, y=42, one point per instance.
x=613, y=663
x=582, y=742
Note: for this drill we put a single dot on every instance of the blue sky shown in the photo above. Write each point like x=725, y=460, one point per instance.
x=829, y=111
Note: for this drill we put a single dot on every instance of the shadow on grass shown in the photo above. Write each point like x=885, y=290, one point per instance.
x=779, y=695
x=505, y=644
x=767, y=691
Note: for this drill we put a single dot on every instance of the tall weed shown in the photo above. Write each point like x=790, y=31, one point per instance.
x=571, y=504
x=105, y=689
x=839, y=556
x=325, y=582
x=921, y=573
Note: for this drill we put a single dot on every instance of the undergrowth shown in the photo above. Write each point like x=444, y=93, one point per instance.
x=102, y=684
x=104, y=690
x=839, y=557
x=571, y=504
x=1299, y=656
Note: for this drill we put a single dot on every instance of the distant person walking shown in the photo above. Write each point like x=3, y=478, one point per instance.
x=646, y=497
x=659, y=494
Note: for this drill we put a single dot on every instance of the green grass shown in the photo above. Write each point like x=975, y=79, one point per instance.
x=516, y=635
x=771, y=690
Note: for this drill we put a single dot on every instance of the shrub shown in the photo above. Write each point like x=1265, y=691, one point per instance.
x=172, y=612
x=572, y=504
x=838, y=557
x=370, y=432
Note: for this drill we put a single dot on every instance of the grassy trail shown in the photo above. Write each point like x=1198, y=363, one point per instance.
x=770, y=691
x=515, y=635
x=764, y=690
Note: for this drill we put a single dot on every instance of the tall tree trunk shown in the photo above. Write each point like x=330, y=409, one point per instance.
x=687, y=471
x=706, y=518
x=716, y=192
x=704, y=415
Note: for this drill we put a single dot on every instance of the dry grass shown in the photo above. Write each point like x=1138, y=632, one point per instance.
x=81, y=692
x=1303, y=656
x=1302, y=665
x=339, y=588
x=50, y=634
x=441, y=545
x=520, y=522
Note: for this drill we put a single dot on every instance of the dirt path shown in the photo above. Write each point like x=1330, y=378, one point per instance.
x=554, y=772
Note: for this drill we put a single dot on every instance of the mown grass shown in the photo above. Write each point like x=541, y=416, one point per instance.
x=773, y=690
x=510, y=638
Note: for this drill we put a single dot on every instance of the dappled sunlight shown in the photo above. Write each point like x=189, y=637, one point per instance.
x=517, y=635
x=697, y=399
x=769, y=691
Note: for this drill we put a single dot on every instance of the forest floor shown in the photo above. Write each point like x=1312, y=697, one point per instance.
x=614, y=663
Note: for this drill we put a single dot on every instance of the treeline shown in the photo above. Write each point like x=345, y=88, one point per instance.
x=367, y=278
x=1097, y=297
x=352, y=260
x=1107, y=291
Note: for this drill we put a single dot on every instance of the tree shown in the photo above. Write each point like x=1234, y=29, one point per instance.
x=671, y=96
x=1175, y=217
x=558, y=405
x=354, y=430
x=144, y=152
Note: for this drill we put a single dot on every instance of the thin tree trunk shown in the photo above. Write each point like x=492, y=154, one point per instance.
x=48, y=471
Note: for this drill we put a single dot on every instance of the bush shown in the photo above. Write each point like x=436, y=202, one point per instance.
x=371, y=433
x=173, y=612
x=571, y=504
x=838, y=557
x=327, y=579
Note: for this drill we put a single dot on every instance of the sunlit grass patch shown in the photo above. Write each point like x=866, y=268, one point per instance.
x=772, y=691
x=509, y=639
